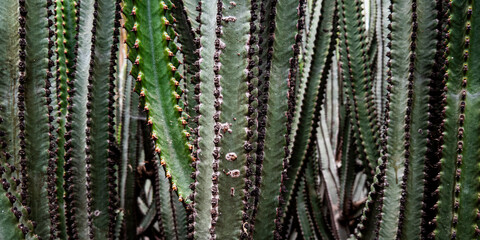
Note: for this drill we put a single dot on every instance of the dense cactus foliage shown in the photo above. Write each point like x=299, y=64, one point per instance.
x=273, y=119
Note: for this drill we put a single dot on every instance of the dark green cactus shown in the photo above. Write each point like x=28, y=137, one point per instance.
x=283, y=119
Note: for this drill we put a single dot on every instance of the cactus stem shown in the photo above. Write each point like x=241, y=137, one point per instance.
x=218, y=100
x=252, y=82
x=52, y=162
x=292, y=78
x=21, y=101
x=70, y=195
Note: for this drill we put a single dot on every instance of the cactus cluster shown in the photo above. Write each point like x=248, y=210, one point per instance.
x=236, y=119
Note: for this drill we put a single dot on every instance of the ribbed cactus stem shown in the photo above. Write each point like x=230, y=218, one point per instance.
x=112, y=163
x=265, y=43
x=291, y=104
x=458, y=212
x=411, y=56
x=435, y=128
x=152, y=50
x=362, y=114
x=189, y=46
x=61, y=91
x=76, y=124
x=38, y=134
x=218, y=101
x=380, y=84
x=52, y=161
x=309, y=106
x=68, y=178
x=231, y=117
x=359, y=81
x=21, y=99
x=205, y=93
x=15, y=218
x=100, y=132
x=252, y=85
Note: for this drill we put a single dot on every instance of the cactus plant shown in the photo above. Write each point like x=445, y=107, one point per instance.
x=274, y=119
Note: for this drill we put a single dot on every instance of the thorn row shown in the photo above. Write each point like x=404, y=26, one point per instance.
x=21, y=100
x=216, y=117
x=292, y=78
x=88, y=158
x=69, y=176
x=191, y=210
x=408, y=117
x=250, y=145
x=267, y=28
x=52, y=150
x=113, y=155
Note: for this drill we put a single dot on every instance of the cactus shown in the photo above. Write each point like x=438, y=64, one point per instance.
x=194, y=119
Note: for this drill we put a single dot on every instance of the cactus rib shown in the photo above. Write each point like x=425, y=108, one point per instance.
x=201, y=219
x=460, y=150
x=231, y=117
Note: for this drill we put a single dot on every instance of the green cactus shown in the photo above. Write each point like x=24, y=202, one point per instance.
x=275, y=119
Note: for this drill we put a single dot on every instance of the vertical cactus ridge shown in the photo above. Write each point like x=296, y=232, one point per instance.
x=283, y=65
x=190, y=7
x=115, y=215
x=308, y=55
x=356, y=74
x=16, y=177
x=70, y=20
x=174, y=214
x=267, y=12
x=303, y=214
x=435, y=128
x=9, y=82
x=460, y=150
x=281, y=86
x=381, y=31
x=164, y=211
x=181, y=216
x=154, y=175
x=75, y=136
x=21, y=99
x=38, y=146
x=327, y=173
x=12, y=215
x=252, y=116
x=52, y=108
x=314, y=203
x=292, y=84
x=186, y=37
x=155, y=68
x=311, y=105
x=367, y=228
x=347, y=56
x=347, y=169
x=15, y=216
x=130, y=144
x=169, y=209
x=423, y=47
x=217, y=138
x=12, y=100
x=8, y=92
x=200, y=220
x=231, y=118
x=372, y=23
x=61, y=84
x=398, y=118
x=100, y=159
